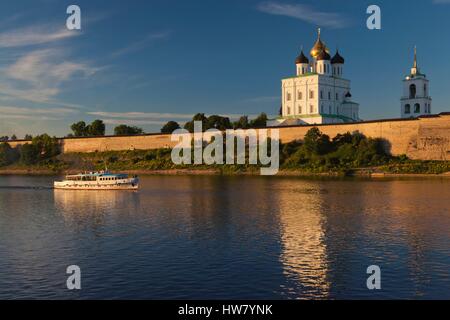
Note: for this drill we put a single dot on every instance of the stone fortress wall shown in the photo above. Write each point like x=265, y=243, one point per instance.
x=424, y=138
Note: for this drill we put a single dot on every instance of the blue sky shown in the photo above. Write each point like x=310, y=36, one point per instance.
x=145, y=62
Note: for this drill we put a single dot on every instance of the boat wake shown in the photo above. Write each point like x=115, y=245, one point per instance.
x=26, y=187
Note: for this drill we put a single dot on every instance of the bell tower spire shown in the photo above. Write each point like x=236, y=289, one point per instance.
x=416, y=100
x=415, y=68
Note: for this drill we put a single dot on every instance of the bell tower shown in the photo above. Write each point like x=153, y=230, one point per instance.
x=416, y=100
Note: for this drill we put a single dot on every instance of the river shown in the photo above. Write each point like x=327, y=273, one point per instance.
x=213, y=237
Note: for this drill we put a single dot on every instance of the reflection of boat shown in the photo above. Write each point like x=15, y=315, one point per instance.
x=103, y=180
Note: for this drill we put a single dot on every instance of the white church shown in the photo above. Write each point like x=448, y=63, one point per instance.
x=319, y=93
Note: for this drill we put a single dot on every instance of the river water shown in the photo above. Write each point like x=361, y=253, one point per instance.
x=203, y=237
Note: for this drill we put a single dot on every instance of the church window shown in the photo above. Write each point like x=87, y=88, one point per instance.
x=300, y=95
x=417, y=108
x=329, y=95
x=412, y=91
x=425, y=93
x=311, y=94
x=311, y=109
x=288, y=98
x=300, y=111
x=407, y=108
x=337, y=96
x=288, y=110
x=321, y=94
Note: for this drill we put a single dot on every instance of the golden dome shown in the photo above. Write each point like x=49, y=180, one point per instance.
x=319, y=46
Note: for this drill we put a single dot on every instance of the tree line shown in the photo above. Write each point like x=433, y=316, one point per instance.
x=41, y=148
x=98, y=128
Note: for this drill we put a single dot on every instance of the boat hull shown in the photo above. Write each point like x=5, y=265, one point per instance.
x=123, y=184
x=96, y=187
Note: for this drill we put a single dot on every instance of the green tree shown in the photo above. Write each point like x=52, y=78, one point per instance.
x=79, y=129
x=317, y=143
x=96, y=128
x=28, y=154
x=4, y=138
x=218, y=122
x=45, y=146
x=260, y=121
x=8, y=155
x=28, y=137
x=242, y=123
x=170, y=127
x=13, y=137
x=124, y=130
x=189, y=126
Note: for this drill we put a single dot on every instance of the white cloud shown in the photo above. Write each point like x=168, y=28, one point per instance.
x=38, y=76
x=133, y=122
x=263, y=99
x=41, y=65
x=23, y=113
x=34, y=35
x=305, y=13
x=142, y=115
x=141, y=44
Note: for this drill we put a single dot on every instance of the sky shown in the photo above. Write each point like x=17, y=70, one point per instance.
x=143, y=63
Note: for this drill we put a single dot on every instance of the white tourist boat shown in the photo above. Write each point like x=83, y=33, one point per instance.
x=103, y=180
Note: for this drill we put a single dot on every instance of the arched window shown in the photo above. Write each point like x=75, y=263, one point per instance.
x=311, y=109
x=412, y=91
x=417, y=108
x=407, y=108
x=425, y=93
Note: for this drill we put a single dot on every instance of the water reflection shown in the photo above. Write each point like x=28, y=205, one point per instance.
x=304, y=251
x=87, y=208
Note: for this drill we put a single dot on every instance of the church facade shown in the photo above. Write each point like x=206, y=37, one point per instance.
x=318, y=93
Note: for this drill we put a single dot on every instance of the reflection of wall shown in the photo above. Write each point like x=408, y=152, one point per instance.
x=424, y=138
x=304, y=254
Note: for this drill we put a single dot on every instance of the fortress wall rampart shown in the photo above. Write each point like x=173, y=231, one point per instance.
x=423, y=138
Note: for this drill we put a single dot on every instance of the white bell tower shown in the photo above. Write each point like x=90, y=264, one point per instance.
x=416, y=100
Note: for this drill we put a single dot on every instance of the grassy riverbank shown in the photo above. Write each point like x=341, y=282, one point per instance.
x=159, y=162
